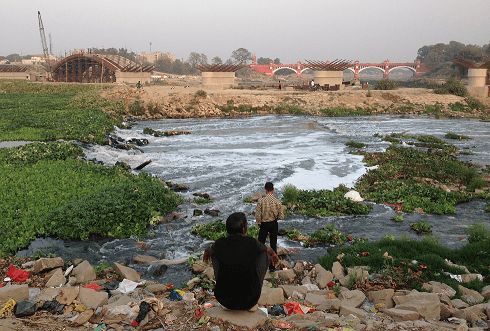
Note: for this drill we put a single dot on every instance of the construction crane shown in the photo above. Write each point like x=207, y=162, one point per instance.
x=44, y=43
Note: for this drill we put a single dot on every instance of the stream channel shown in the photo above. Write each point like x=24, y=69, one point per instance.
x=233, y=158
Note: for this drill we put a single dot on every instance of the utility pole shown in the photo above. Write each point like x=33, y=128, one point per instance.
x=50, y=44
x=150, y=46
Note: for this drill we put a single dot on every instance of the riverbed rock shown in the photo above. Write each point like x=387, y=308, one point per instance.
x=473, y=313
x=246, y=319
x=92, y=299
x=287, y=275
x=350, y=310
x=83, y=318
x=466, y=278
x=469, y=296
x=24, y=309
x=67, y=295
x=353, y=196
x=57, y=279
x=352, y=298
x=199, y=266
x=16, y=292
x=84, y=273
x=323, y=277
x=338, y=270
x=209, y=272
x=402, y=314
x=383, y=297
x=290, y=289
x=48, y=294
x=439, y=288
x=156, y=288
x=197, y=212
x=299, y=267
x=426, y=304
x=144, y=259
x=45, y=264
x=211, y=212
x=486, y=292
x=322, y=302
x=358, y=273
x=459, y=304
x=127, y=272
x=271, y=296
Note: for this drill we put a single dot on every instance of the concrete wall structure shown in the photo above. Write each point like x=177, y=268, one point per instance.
x=15, y=75
x=331, y=78
x=133, y=77
x=218, y=80
x=477, y=82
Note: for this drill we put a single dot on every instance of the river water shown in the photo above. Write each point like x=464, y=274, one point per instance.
x=233, y=158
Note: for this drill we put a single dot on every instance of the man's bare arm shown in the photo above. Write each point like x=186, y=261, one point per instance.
x=208, y=254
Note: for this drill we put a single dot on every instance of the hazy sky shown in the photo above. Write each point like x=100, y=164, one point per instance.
x=368, y=30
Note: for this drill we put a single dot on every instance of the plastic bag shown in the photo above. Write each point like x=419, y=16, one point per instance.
x=17, y=275
x=127, y=286
x=176, y=295
x=295, y=308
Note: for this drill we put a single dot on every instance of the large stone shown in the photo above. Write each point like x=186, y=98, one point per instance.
x=439, y=288
x=286, y=275
x=426, y=304
x=16, y=292
x=271, y=296
x=383, y=297
x=67, y=295
x=57, y=279
x=246, y=319
x=486, y=292
x=84, y=273
x=358, y=273
x=353, y=298
x=350, y=310
x=127, y=272
x=469, y=296
x=48, y=294
x=323, y=277
x=338, y=270
x=92, y=299
x=144, y=259
x=402, y=314
x=83, y=318
x=473, y=313
x=45, y=264
x=118, y=300
x=447, y=311
x=299, y=267
x=459, y=304
x=466, y=278
x=289, y=289
x=209, y=272
x=322, y=302
x=156, y=288
x=199, y=266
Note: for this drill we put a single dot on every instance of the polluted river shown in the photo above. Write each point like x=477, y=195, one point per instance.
x=232, y=158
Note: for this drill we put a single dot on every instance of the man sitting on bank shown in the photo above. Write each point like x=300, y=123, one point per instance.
x=240, y=263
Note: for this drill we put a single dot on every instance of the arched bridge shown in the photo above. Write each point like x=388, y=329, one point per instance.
x=385, y=67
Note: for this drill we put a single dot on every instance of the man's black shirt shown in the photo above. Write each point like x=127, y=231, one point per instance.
x=237, y=282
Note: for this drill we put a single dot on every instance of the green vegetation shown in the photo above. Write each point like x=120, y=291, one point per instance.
x=386, y=84
x=452, y=86
x=200, y=94
x=455, y=136
x=398, y=218
x=289, y=109
x=469, y=105
x=417, y=178
x=487, y=208
x=355, y=144
x=48, y=191
x=421, y=227
x=202, y=200
x=435, y=110
x=217, y=229
x=327, y=235
x=43, y=112
x=344, y=112
x=409, y=263
x=321, y=203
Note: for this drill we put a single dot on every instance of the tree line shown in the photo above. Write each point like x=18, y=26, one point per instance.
x=436, y=55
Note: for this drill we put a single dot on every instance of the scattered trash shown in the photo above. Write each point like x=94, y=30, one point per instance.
x=207, y=305
x=144, y=309
x=282, y=325
x=101, y=327
x=94, y=286
x=295, y=308
x=68, y=271
x=457, y=277
x=277, y=310
x=311, y=287
x=7, y=309
x=127, y=286
x=264, y=310
x=188, y=296
x=142, y=165
x=176, y=295
x=203, y=320
x=198, y=313
x=331, y=284
x=1, y=285
x=354, y=196
x=79, y=308
x=7, y=279
x=54, y=307
x=24, y=309
x=17, y=275
x=110, y=286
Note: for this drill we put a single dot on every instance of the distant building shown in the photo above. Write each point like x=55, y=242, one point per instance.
x=152, y=57
x=37, y=59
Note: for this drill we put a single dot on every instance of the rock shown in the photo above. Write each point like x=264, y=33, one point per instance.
x=486, y=292
x=57, y=279
x=354, y=196
x=83, y=318
x=359, y=274
x=402, y=314
x=446, y=311
x=289, y=289
x=92, y=299
x=84, y=273
x=350, y=310
x=48, y=294
x=118, y=300
x=439, y=288
x=473, y=313
x=271, y=296
x=45, y=264
x=322, y=302
x=299, y=267
x=384, y=297
x=426, y=304
x=209, y=272
x=454, y=265
x=323, y=277
x=197, y=212
x=338, y=270
x=469, y=296
x=352, y=298
x=144, y=259
x=156, y=288
x=306, y=280
x=157, y=270
x=199, y=266
x=246, y=319
x=24, y=309
x=286, y=275
x=67, y=295
x=459, y=304
x=127, y=272
x=211, y=212
x=16, y=292
x=281, y=251
x=466, y=278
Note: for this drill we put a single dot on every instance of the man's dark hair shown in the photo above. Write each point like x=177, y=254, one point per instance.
x=269, y=186
x=235, y=223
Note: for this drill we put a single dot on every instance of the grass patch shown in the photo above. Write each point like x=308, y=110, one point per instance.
x=289, y=109
x=48, y=191
x=344, y=112
x=202, y=200
x=386, y=84
x=327, y=235
x=421, y=227
x=200, y=94
x=452, y=86
x=321, y=203
x=434, y=110
x=455, y=136
x=217, y=229
x=43, y=112
x=399, y=218
x=398, y=270
x=355, y=144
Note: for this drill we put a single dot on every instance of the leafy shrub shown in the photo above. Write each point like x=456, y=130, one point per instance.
x=435, y=109
x=455, y=136
x=477, y=233
x=386, y=84
x=474, y=103
x=355, y=144
x=137, y=108
x=217, y=229
x=200, y=94
x=452, y=86
x=32, y=153
x=344, y=112
x=458, y=107
x=327, y=235
x=202, y=200
x=398, y=218
x=421, y=227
